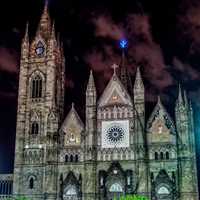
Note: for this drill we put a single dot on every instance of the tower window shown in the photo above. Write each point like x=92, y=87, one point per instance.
x=71, y=158
x=76, y=158
x=66, y=158
x=34, y=128
x=31, y=183
x=156, y=155
x=161, y=156
x=152, y=176
x=167, y=155
x=36, y=89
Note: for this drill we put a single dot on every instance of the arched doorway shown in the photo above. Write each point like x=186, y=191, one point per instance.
x=163, y=187
x=115, y=190
x=70, y=192
x=114, y=182
x=71, y=188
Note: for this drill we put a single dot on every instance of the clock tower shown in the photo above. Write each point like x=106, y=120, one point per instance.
x=40, y=107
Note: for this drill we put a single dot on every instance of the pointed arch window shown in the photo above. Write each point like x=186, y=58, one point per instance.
x=34, y=128
x=76, y=158
x=31, y=183
x=167, y=155
x=156, y=155
x=66, y=158
x=71, y=158
x=161, y=155
x=36, y=87
x=163, y=190
x=116, y=187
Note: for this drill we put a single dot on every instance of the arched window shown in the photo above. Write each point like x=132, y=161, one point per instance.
x=156, y=155
x=167, y=155
x=76, y=158
x=173, y=175
x=34, y=128
x=152, y=176
x=116, y=187
x=70, y=190
x=161, y=156
x=36, y=87
x=31, y=183
x=163, y=190
x=66, y=158
x=71, y=158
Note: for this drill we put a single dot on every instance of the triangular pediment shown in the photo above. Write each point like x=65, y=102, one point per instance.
x=72, y=128
x=115, y=93
x=160, y=120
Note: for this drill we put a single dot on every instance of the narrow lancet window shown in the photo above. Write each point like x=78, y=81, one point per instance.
x=36, y=87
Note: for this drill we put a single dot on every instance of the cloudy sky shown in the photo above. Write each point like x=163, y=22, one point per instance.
x=163, y=36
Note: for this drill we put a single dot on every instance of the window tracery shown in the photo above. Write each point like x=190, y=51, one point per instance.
x=36, y=87
x=116, y=187
x=35, y=128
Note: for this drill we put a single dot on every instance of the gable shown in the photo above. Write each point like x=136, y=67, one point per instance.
x=115, y=93
x=72, y=128
x=160, y=125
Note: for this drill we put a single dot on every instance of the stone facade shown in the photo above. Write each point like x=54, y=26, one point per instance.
x=114, y=152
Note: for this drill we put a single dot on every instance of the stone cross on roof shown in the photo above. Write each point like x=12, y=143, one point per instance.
x=114, y=66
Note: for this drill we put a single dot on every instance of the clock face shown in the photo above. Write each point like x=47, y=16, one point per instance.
x=115, y=134
x=40, y=49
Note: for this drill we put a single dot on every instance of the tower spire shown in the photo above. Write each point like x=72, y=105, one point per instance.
x=26, y=36
x=180, y=97
x=25, y=44
x=91, y=84
x=185, y=99
x=44, y=27
x=138, y=80
x=124, y=75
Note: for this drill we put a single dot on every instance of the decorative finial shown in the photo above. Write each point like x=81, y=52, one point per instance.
x=26, y=32
x=123, y=43
x=114, y=66
x=159, y=100
x=72, y=105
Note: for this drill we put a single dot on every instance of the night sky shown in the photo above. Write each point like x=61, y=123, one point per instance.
x=164, y=39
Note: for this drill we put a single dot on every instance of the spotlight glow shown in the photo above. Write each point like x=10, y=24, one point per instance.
x=123, y=43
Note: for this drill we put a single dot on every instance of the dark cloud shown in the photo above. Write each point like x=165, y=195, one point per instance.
x=8, y=60
x=142, y=49
x=69, y=83
x=189, y=25
x=186, y=71
x=106, y=27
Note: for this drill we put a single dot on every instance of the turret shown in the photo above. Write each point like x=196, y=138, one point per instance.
x=186, y=148
x=90, y=111
x=139, y=98
x=25, y=46
x=181, y=113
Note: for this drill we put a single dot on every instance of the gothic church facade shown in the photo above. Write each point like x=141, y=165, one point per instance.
x=114, y=152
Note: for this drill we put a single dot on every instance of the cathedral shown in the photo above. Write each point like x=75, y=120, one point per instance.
x=114, y=152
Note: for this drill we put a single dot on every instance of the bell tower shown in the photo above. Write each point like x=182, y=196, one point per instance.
x=40, y=106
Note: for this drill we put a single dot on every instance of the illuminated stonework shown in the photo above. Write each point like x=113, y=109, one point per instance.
x=114, y=152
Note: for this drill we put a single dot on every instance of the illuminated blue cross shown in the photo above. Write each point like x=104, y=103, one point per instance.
x=123, y=43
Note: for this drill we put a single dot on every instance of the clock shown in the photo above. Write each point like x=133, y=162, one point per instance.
x=115, y=134
x=40, y=49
